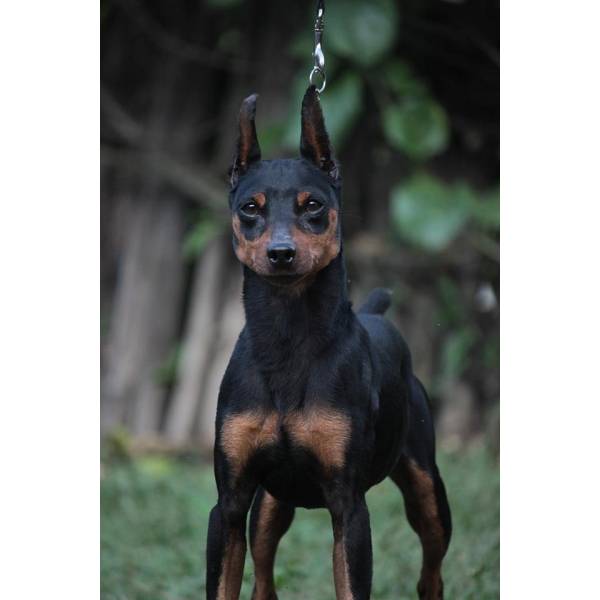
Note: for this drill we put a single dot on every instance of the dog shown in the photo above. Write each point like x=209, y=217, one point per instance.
x=318, y=403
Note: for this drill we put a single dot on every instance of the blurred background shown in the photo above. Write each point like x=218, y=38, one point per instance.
x=412, y=106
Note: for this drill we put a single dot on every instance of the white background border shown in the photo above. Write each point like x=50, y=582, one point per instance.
x=49, y=303
x=49, y=313
x=550, y=194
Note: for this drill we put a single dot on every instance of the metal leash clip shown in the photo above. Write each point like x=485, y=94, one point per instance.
x=318, y=70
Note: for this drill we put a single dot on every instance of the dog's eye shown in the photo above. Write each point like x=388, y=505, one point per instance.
x=250, y=209
x=313, y=206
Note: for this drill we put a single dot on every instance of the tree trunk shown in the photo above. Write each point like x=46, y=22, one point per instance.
x=143, y=328
x=231, y=324
x=198, y=342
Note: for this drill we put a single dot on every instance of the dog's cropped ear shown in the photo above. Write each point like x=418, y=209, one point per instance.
x=247, y=150
x=314, y=141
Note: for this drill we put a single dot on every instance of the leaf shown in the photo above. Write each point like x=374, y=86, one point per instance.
x=418, y=127
x=342, y=103
x=400, y=79
x=361, y=31
x=429, y=213
x=415, y=124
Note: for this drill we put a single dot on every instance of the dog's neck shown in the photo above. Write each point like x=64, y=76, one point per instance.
x=294, y=325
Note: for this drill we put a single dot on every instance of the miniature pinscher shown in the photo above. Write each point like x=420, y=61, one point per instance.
x=318, y=403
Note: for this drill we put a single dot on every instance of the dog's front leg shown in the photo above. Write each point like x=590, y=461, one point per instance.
x=352, y=554
x=226, y=543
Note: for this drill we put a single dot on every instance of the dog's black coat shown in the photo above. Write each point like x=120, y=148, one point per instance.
x=318, y=403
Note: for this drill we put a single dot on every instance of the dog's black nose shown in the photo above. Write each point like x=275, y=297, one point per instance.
x=281, y=255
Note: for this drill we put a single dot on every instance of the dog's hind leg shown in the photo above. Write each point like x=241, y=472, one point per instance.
x=428, y=513
x=269, y=520
x=417, y=476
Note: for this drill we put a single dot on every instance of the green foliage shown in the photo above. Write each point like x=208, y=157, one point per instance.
x=155, y=515
x=400, y=80
x=453, y=311
x=455, y=352
x=430, y=214
x=486, y=211
x=418, y=127
x=367, y=71
x=116, y=446
x=342, y=106
x=460, y=336
x=362, y=32
x=359, y=43
x=152, y=529
x=205, y=229
x=413, y=122
x=271, y=136
x=291, y=130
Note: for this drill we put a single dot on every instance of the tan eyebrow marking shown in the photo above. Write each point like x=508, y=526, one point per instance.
x=260, y=199
x=302, y=198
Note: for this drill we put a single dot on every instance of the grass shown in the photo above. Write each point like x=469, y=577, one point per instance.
x=154, y=519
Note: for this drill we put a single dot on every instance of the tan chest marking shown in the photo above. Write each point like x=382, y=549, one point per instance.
x=323, y=431
x=243, y=434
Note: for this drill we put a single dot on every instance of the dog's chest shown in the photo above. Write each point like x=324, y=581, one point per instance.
x=322, y=431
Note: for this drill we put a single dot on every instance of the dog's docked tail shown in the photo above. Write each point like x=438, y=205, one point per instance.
x=377, y=302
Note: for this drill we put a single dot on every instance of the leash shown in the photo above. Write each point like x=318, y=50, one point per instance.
x=318, y=70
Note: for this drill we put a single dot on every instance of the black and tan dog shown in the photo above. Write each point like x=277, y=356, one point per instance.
x=318, y=403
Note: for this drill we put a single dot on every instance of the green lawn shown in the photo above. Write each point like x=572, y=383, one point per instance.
x=155, y=513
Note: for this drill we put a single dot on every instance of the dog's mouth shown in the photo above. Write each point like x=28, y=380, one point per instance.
x=285, y=280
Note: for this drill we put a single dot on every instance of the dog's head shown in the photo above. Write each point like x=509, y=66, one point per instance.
x=285, y=212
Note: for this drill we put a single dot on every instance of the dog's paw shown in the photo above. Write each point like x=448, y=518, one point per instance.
x=269, y=596
x=431, y=589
